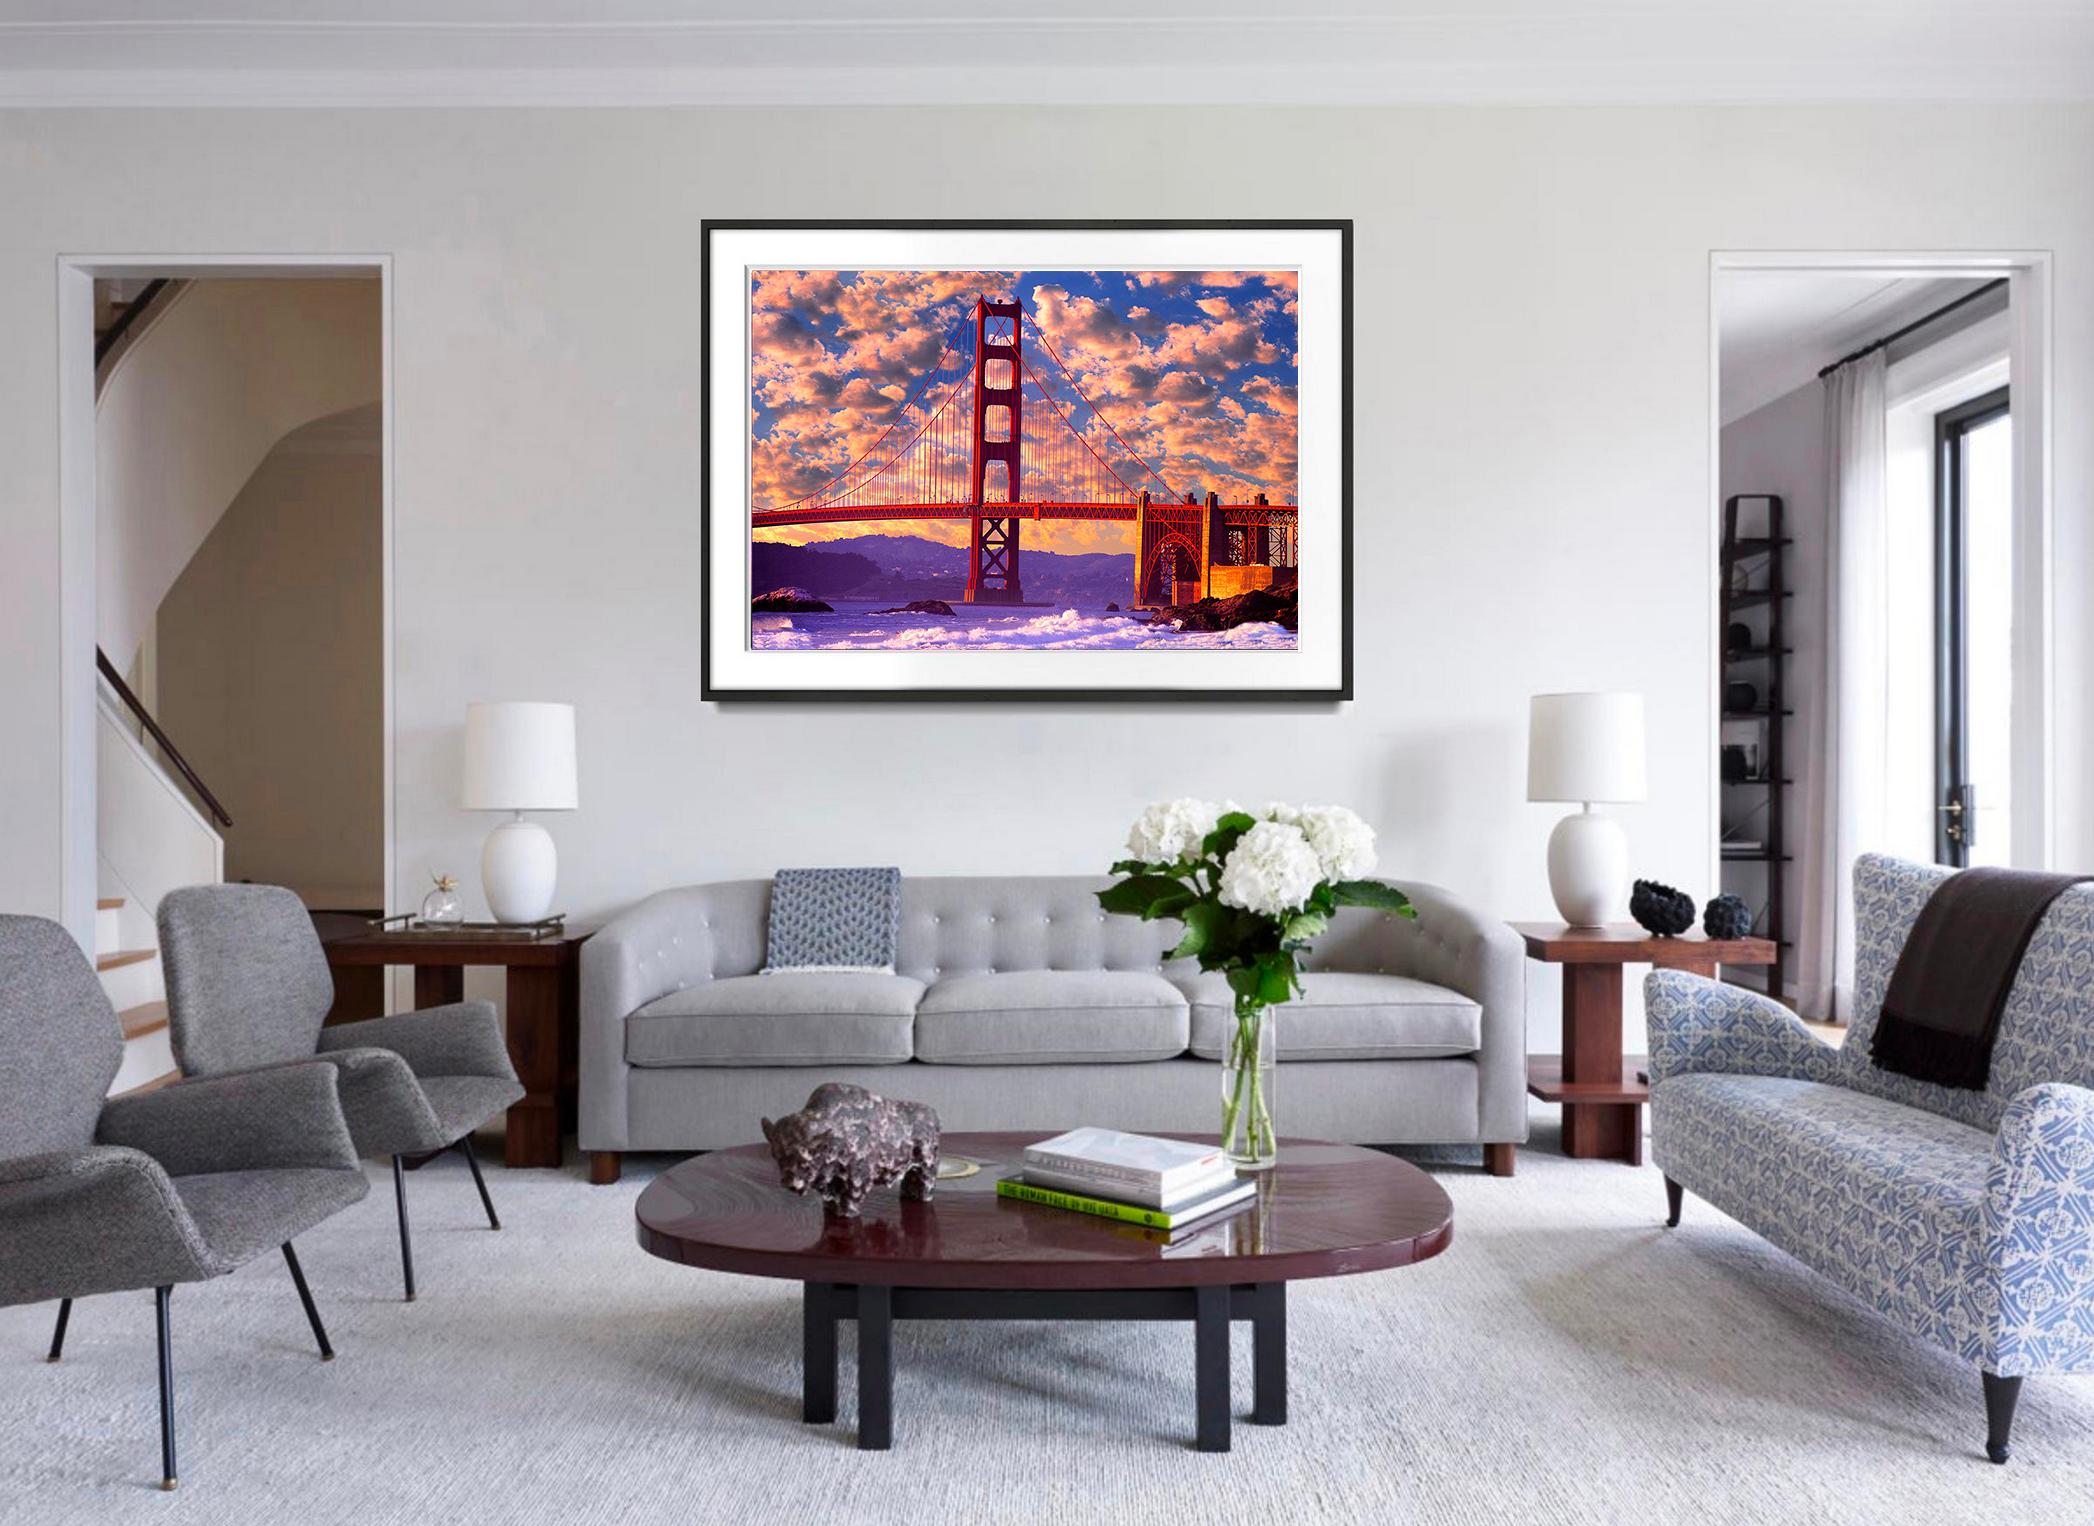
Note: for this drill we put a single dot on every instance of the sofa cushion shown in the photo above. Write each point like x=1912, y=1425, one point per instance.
x=827, y=1017
x=1340, y=1016
x=1051, y=1017
x=1883, y=1198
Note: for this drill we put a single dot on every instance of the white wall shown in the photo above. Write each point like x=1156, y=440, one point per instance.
x=1531, y=400
x=190, y=407
x=270, y=666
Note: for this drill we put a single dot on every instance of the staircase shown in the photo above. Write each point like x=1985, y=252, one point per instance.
x=128, y=965
x=157, y=829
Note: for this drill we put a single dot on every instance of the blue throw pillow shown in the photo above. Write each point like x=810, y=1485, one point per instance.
x=834, y=919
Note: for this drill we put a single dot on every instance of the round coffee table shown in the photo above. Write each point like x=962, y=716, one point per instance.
x=1325, y=1210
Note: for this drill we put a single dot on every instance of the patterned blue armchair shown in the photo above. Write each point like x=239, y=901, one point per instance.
x=1967, y=1217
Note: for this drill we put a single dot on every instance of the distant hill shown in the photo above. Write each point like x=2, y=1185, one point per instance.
x=823, y=573
x=910, y=567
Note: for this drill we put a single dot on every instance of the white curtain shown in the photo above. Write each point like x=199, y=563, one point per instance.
x=1844, y=761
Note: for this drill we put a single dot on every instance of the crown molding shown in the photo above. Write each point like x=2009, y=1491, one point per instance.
x=1597, y=54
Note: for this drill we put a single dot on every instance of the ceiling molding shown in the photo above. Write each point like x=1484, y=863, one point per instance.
x=1394, y=52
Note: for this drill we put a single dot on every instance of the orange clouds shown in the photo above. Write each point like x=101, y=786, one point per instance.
x=1192, y=370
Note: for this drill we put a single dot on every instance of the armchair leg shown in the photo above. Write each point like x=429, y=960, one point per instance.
x=2000, y=1396
x=65, y=1313
x=305, y=1296
x=406, y=1244
x=472, y=1160
x=167, y=1385
x=1498, y=1158
x=604, y=1167
x=1673, y=1194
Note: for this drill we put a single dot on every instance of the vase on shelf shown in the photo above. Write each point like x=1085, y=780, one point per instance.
x=440, y=906
x=1249, y=1136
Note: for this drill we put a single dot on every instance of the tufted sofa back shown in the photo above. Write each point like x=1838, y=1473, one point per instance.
x=2047, y=1030
x=989, y=925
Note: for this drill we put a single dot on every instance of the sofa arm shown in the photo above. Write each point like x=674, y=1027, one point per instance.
x=2038, y=1229
x=1702, y=1025
x=1454, y=944
x=665, y=943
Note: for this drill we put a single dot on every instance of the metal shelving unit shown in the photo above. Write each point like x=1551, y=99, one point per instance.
x=1761, y=604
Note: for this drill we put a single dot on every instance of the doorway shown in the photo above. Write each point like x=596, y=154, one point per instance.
x=1887, y=413
x=272, y=571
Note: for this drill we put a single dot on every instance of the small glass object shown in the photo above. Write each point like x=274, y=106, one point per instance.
x=440, y=905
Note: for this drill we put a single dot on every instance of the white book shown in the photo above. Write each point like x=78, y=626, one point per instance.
x=1130, y=1192
x=1140, y=1160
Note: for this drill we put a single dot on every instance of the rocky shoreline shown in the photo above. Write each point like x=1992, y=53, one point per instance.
x=1260, y=606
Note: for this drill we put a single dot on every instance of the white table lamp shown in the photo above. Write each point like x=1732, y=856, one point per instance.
x=519, y=757
x=1587, y=748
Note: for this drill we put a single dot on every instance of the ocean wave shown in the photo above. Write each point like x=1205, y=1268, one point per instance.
x=1067, y=630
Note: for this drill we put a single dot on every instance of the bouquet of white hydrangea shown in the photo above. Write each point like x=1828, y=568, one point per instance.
x=1251, y=890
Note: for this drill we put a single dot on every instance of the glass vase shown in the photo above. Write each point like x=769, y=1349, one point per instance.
x=1249, y=1137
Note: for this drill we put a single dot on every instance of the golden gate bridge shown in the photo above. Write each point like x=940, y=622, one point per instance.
x=984, y=438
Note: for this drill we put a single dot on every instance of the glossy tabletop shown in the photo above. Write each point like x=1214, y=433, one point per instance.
x=1324, y=1210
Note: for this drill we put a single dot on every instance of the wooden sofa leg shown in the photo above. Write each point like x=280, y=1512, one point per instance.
x=2000, y=1394
x=1673, y=1194
x=604, y=1167
x=1498, y=1158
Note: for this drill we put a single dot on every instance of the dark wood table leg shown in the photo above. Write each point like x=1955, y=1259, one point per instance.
x=876, y=1367
x=1592, y=1056
x=1211, y=1367
x=818, y=1352
x=438, y=985
x=540, y=1013
x=1269, y=1353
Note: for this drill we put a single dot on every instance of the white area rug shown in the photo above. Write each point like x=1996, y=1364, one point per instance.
x=1567, y=1359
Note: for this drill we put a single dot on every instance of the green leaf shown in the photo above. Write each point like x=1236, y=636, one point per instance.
x=1138, y=895
x=1223, y=838
x=1277, y=979
x=1375, y=895
x=1244, y=980
x=1298, y=929
x=1204, y=922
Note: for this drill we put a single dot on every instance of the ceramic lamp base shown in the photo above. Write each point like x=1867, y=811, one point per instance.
x=1589, y=868
x=518, y=868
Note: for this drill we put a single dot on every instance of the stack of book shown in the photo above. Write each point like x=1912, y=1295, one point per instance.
x=1135, y=1178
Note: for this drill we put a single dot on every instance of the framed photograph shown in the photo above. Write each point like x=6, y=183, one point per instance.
x=1027, y=460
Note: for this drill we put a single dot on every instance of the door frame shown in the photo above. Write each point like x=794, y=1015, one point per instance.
x=2028, y=272
x=76, y=275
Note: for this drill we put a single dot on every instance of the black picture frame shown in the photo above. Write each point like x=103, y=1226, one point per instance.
x=712, y=692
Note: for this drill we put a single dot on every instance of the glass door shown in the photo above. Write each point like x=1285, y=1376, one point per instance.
x=1974, y=629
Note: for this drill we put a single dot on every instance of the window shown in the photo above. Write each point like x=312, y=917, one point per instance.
x=1974, y=628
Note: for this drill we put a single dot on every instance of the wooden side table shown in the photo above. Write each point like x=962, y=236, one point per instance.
x=1603, y=1106
x=544, y=1017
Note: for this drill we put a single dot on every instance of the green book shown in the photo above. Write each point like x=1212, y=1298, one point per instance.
x=1129, y=1213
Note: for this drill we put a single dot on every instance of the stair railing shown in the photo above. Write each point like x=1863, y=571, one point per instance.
x=172, y=753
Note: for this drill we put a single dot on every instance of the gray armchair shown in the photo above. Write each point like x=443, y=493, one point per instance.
x=248, y=989
x=177, y=1185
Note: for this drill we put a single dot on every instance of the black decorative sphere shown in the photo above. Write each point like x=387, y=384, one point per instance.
x=1727, y=917
x=1661, y=909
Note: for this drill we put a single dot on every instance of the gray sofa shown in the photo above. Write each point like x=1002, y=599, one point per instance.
x=1018, y=1004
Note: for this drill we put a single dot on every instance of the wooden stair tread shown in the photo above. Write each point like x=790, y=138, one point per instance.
x=146, y=1017
x=123, y=957
x=109, y=903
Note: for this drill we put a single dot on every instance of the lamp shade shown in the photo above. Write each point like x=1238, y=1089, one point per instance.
x=519, y=756
x=1585, y=747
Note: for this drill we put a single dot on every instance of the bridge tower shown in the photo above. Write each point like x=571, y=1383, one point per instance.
x=992, y=553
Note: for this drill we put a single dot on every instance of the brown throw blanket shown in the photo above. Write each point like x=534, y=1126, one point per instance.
x=1942, y=1011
